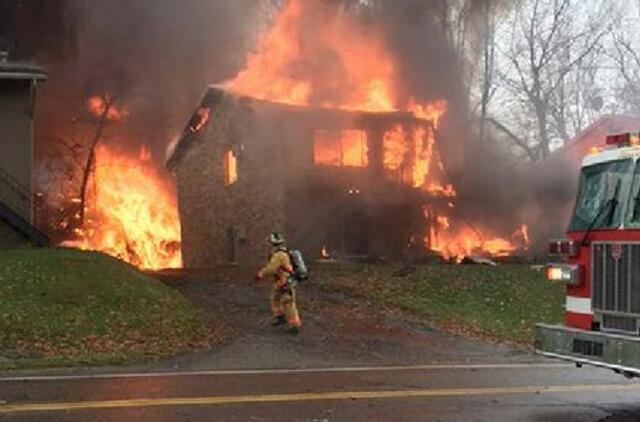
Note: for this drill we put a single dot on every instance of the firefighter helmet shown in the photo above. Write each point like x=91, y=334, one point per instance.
x=276, y=239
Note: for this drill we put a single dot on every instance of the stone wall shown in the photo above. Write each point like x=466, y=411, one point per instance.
x=280, y=189
x=230, y=224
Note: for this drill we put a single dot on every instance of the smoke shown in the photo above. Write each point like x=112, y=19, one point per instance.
x=153, y=58
x=156, y=58
x=495, y=190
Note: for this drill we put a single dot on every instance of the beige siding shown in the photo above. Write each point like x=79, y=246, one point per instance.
x=15, y=143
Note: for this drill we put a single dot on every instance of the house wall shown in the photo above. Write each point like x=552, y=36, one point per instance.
x=224, y=224
x=15, y=144
x=280, y=189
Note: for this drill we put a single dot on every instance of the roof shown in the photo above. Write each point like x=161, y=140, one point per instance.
x=215, y=95
x=21, y=71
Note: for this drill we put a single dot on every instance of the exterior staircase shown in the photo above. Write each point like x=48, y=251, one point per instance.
x=15, y=207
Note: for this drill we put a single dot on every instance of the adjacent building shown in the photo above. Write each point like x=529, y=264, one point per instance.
x=18, y=84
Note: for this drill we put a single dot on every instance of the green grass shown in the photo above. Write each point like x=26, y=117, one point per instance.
x=502, y=303
x=64, y=307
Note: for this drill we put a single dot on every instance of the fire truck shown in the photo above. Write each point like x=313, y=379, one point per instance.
x=599, y=262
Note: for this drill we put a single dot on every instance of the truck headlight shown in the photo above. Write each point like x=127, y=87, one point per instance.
x=565, y=273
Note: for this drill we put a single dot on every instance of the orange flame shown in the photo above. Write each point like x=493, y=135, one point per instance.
x=455, y=243
x=200, y=119
x=145, y=154
x=357, y=72
x=344, y=148
x=340, y=64
x=131, y=214
x=230, y=168
x=344, y=64
x=97, y=106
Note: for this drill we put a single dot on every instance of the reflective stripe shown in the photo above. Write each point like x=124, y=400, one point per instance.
x=579, y=305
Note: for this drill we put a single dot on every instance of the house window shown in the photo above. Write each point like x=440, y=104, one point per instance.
x=340, y=148
x=230, y=168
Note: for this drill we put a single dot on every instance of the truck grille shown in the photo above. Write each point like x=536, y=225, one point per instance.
x=587, y=347
x=615, y=284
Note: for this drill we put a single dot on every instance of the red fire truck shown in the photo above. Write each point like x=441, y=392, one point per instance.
x=601, y=265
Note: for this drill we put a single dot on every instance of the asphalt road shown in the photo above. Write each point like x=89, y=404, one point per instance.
x=501, y=392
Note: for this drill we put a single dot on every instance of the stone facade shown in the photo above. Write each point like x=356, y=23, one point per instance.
x=279, y=187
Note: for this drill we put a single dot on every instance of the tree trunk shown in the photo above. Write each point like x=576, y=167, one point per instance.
x=91, y=159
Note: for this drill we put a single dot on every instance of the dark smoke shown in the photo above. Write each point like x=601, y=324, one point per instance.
x=496, y=191
x=155, y=58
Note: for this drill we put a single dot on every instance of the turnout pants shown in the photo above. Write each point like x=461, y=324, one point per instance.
x=283, y=303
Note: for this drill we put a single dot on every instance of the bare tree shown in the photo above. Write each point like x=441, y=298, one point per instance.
x=548, y=70
x=487, y=82
x=89, y=165
x=627, y=66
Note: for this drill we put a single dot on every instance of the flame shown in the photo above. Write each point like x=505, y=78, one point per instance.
x=430, y=111
x=340, y=64
x=230, y=168
x=324, y=253
x=411, y=155
x=522, y=235
x=200, y=119
x=455, y=243
x=344, y=64
x=446, y=191
x=145, y=154
x=343, y=148
x=97, y=106
x=131, y=214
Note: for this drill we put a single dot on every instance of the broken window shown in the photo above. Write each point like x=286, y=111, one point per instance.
x=340, y=148
x=230, y=168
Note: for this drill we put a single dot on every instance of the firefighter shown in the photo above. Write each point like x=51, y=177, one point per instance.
x=283, y=294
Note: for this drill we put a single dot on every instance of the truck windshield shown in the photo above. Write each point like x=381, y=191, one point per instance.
x=602, y=196
x=634, y=204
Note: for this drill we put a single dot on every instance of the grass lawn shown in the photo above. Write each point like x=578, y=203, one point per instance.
x=502, y=303
x=63, y=307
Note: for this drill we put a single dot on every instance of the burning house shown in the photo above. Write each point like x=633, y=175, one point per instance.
x=340, y=182
x=319, y=138
x=17, y=96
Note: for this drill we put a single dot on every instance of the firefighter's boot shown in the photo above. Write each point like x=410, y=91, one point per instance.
x=294, y=331
x=278, y=320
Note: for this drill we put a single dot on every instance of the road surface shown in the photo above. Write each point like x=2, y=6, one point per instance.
x=370, y=364
x=468, y=392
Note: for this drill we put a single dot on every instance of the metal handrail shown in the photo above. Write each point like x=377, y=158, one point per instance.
x=13, y=205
